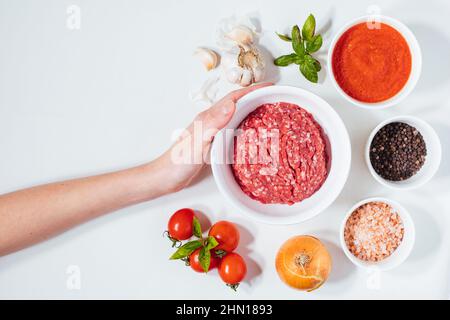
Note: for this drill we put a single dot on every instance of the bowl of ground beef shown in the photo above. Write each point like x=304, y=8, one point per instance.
x=284, y=157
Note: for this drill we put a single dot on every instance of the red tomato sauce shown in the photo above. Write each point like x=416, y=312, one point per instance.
x=371, y=65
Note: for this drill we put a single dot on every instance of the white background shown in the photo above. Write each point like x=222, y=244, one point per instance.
x=107, y=96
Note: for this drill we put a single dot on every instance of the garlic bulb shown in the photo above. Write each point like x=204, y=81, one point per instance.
x=243, y=65
x=208, y=57
x=241, y=61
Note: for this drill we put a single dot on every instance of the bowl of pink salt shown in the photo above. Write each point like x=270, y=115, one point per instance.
x=377, y=233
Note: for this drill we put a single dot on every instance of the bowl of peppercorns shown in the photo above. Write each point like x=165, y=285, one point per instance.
x=403, y=152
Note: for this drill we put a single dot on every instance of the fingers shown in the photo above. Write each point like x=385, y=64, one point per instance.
x=237, y=94
x=221, y=113
x=218, y=115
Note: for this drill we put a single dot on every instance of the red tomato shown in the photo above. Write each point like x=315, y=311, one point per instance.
x=195, y=262
x=226, y=234
x=180, y=224
x=232, y=269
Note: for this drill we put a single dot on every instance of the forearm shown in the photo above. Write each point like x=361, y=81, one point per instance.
x=35, y=214
x=32, y=215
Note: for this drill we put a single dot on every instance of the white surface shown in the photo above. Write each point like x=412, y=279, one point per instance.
x=77, y=102
x=432, y=160
x=338, y=149
x=400, y=254
x=416, y=60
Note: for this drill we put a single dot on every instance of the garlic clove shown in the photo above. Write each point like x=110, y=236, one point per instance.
x=241, y=34
x=234, y=74
x=207, y=57
x=207, y=92
x=258, y=74
x=247, y=78
x=243, y=65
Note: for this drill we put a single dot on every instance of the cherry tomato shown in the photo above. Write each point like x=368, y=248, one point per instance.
x=180, y=224
x=195, y=262
x=232, y=269
x=226, y=234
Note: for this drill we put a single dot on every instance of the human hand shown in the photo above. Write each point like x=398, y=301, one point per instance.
x=28, y=216
x=186, y=158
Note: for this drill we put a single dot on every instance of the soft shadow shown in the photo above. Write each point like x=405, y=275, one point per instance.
x=443, y=132
x=204, y=173
x=254, y=269
x=359, y=131
x=325, y=24
x=428, y=234
x=246, y=238
x=435, y=46
x=255, y=18
x=206, y=215
x=272, y=71
x=205, y=222
x=325, y=29
x=428, y=240
x=323, y=71
x=342, y=266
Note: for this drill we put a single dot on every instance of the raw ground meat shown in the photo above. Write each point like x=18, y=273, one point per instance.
x=280, y=154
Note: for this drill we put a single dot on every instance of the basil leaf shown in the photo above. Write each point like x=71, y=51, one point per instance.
x=308, y=69
x=309, y=27
x=197, y=228
x=297, y=43
x=186, y=249
x=286, y=60
x=315, y=63
x=315, y=44
x=299, y=60
x=204, y=258
x=284, y=37
x=211, y=243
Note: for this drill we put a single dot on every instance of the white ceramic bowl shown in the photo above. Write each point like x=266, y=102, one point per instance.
x=339, y=152
x=403, y=250
x=432, y=160
x=416, y=61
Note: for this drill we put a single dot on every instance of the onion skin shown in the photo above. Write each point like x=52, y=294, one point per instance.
x=303, y=263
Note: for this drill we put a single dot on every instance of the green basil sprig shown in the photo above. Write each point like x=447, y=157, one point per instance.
x=303, y=43
x=197, y=228
x=188, y=248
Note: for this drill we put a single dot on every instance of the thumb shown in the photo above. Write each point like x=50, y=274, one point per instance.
x=214, y=119
x=218, y=116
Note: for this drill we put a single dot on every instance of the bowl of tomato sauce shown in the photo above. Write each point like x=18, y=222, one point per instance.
x=374, y=61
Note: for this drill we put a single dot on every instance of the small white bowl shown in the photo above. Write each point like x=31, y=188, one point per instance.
x=403, y=250
x=416, y=61
x=432, y=160
x=339, y=151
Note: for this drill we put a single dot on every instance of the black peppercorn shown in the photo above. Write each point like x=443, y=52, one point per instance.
x=398, y=151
